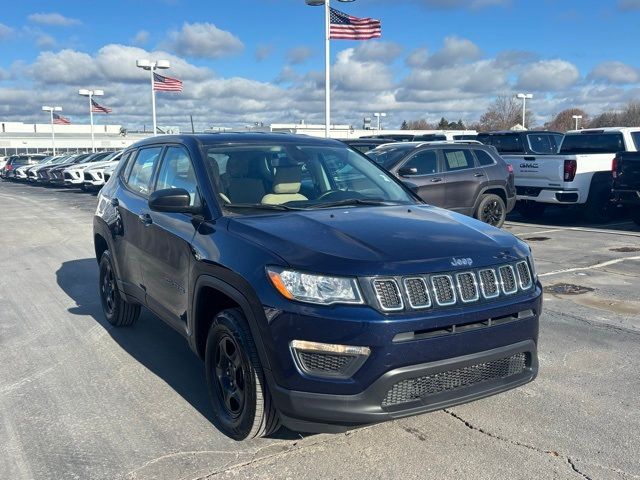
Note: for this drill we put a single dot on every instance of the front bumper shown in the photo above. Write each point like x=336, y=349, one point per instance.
x=316, y=412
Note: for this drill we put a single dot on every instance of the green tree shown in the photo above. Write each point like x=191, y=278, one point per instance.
x=404, y=126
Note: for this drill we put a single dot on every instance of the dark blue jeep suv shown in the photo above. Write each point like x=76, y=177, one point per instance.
x=320, y=292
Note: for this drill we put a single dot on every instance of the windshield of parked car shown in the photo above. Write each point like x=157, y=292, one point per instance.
x=389, y=155
x=592, y=143
x=298, y=176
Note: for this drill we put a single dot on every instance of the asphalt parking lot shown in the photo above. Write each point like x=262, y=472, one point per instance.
x=80, y=399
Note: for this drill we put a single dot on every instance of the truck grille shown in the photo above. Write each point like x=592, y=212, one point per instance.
x=418, y=388
x=388, y=294
x=448, y=289
x=508, y=278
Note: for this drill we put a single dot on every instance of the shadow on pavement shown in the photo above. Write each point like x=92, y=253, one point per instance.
x=150, y=341
x=572, y=217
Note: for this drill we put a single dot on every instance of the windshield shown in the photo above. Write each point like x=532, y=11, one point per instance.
x=593, y=143
x=388, y=156
x=290, y=176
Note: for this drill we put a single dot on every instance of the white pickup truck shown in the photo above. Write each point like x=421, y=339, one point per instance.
x=580, y=174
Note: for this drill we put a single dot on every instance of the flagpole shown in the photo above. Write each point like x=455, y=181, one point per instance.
x=153, y=102
x=327, y=68
x=93, y=142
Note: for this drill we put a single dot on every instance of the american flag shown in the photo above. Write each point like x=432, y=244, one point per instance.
x=97, y=108
x=346, y=27
x=60, y=120
x=166, y=84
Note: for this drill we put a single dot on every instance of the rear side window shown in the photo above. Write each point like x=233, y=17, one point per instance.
x=141, y=170
x=592, y=143
x=457, y=160
x=541, y=143
x=484, y=158
x=636, y=139
x=505, y=143
x=425, y=162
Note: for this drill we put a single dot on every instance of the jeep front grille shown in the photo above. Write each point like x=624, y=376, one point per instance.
x=448, y=289
x=388, y=294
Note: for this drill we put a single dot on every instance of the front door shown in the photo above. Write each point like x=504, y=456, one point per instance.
x=425, y=178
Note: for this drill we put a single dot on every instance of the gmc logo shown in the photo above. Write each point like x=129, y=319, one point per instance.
x=528, y=165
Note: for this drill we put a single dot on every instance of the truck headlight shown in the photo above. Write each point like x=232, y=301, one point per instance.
x=312, y=288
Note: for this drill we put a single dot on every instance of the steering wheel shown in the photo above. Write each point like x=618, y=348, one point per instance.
x=337, y=195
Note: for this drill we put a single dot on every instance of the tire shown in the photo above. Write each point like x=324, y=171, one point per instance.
x=531, y=210
x=238, y=391
x=117, y=311
x=598, y=208
x=491, y=210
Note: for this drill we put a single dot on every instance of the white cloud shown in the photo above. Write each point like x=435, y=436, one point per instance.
x=53, y=19
x=550, y=75
x=44, y=41
x=350, y=74
x=615, y=72
x=299, y=55
x=418, y=58
x=5, y=31
x=203, y=40
x=454, y=51
x=141, y=37
x=262, y=52
x=377, y=51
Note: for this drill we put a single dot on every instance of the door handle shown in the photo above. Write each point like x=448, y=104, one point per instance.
x=436, y=180
x=145, y=219
x=478, y=174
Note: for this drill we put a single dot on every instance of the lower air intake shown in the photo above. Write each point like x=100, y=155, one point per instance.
x=322, y=363
x=417, y=388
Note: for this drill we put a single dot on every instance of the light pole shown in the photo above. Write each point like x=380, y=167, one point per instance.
x=378, y=115
x=46, y=108
x=524, y=97
x=91, y=93
x=150, y=66
x=577, y=118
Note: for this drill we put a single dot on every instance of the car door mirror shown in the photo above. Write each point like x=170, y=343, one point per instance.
x=407, y=171
x=172, y=200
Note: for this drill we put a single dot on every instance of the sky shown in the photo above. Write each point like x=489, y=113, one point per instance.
x=247, y=61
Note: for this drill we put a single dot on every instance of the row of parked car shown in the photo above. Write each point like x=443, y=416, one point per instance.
x=548, y=168
x=88, y=171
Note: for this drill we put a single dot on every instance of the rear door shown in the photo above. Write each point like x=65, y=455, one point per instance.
x=167, y=256
x=464, y=179
x=427, y=181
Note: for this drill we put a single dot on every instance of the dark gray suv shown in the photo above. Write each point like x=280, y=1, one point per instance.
x=468, y=178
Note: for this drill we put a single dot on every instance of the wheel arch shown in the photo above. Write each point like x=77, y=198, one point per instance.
x=495, y=189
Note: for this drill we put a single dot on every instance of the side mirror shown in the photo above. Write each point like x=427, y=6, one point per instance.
x=407, y=171
x=171, y=200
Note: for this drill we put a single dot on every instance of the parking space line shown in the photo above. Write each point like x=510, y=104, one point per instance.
x=583, y=229
x=540, y=232
x=591, y=267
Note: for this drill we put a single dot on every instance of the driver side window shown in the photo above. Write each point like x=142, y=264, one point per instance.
x=425, y=162
x=176, y=171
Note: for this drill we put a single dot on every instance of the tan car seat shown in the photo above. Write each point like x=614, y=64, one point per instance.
x=286, y=186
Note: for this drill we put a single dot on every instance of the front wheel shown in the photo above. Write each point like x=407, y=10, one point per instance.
x=491, y=210
x=242, y=404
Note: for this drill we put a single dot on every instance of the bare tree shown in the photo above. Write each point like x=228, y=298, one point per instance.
x=504, y=113
x=606, y=119
x=421, y=124
x=564, y=120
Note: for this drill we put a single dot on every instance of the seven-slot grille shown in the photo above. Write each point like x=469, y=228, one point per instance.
x=417, y=292
x=447, y=289
x=508, y=278
x=388, y=294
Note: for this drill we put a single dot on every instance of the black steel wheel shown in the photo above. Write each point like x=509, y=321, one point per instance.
x=117, y=310
x=492, y=210
x=238, y=390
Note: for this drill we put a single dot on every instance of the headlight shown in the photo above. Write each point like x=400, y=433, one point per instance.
x=310, y=288
x=532, y=265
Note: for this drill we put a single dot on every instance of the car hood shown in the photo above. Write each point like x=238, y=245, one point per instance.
x=101, y=165
x=379, y=240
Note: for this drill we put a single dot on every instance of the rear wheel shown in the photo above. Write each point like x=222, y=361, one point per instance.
x=242, y=404
x=598, y=208
x=531, y=210
x=117, y=310
x=491, y=210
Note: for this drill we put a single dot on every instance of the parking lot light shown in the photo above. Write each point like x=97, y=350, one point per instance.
x=524, y=97
x=150, y=66
x=49, y=109
x=91, y=93
x=378, y=115
x=577, y=118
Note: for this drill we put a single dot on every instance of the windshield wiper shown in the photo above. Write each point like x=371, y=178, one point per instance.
x=356, y=201
x=260, y=206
